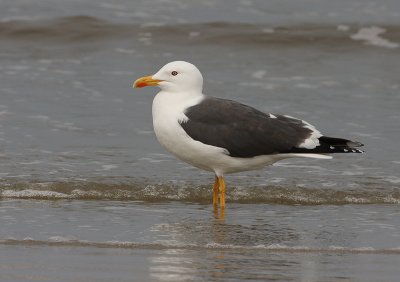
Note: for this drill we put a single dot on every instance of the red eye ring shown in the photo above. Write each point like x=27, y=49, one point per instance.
x=174, y=73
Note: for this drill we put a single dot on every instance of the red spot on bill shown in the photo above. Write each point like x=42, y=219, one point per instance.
x=141, y=84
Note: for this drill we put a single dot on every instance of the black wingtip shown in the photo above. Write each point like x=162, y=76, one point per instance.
x=332, y=145
x=354, y=144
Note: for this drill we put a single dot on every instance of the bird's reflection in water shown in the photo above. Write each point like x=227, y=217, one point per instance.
x=219, y=214
x=218, y=233
x=216, y=249
x=231, y=240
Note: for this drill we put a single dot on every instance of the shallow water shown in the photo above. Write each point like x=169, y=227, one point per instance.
x=179, y=242
x=88, y=194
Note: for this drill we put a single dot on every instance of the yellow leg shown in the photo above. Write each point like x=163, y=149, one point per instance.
x=216, y=191
x=222, y=187
x=219, y=192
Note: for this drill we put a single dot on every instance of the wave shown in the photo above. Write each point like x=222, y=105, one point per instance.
x=162, y=192
x=86, y=29
x=58, y=241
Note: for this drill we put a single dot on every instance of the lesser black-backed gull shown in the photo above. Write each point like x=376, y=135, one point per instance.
x=224, y=136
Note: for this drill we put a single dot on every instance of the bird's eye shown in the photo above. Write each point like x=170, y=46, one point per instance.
x=174, y=73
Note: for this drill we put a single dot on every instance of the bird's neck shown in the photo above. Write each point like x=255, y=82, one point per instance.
x=179, y=97
x=175, y=103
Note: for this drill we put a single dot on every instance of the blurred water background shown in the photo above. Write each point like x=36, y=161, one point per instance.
x=88, y=194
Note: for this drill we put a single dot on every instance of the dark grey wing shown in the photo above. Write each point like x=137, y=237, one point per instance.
x=242, y=130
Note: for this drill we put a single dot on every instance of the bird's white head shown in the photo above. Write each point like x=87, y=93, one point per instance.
x=178, y=76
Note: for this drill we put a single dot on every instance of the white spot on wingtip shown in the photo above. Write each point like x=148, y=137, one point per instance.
x=345, y=150
x=272, y=116
x=331, y=147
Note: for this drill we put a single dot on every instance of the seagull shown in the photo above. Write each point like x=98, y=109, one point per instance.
x=223, y=136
